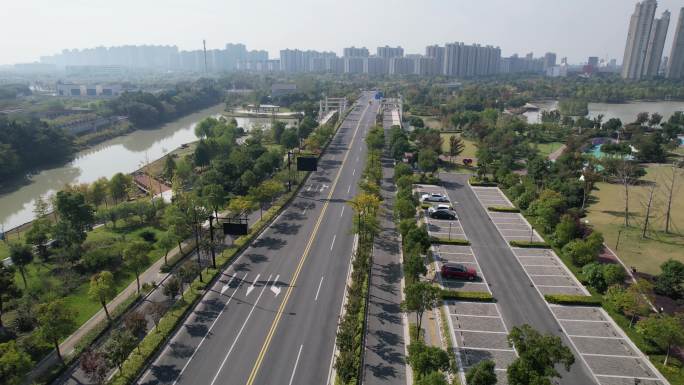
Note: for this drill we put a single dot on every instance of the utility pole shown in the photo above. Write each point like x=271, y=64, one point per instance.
x=211, y=242
x=289, y=171
x=204, y=43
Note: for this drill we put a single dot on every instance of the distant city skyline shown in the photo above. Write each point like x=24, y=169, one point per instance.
x=576, y=29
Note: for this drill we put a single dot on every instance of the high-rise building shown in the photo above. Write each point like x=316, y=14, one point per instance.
x=656, y=45
x=549, y=60
x=387, y=52
x=593, y=61
x=356, y=52
x=436, y=52
x=640, y=26
x=461, y=60
x=375, y=65
x=291, y=60
x=675, y=67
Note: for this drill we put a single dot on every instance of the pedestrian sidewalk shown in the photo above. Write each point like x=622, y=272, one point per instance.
x=384, y=351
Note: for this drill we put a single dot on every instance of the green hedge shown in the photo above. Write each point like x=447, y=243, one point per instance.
x=567, y=299
x=475, y=296
x=475, y=181
x=425, y=206
x=452, y=241
x=530, y=245
x=503, y=209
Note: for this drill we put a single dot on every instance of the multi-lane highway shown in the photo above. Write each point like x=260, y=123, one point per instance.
x=272, y=316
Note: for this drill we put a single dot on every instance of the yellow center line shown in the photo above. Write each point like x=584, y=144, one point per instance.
x=281, y=308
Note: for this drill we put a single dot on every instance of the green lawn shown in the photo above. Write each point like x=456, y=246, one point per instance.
x=606, y=215
x=470, y=150
x=545, y=149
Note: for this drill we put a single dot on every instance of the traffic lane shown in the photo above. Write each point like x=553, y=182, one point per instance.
x=310, y=322
x=272, y=253
x=518, y=300
x=165, y=370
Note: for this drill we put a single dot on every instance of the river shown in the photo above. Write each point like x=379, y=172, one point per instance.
x=122, y=154
x=626, y=112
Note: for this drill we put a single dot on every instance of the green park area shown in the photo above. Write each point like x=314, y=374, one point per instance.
x=606, y=215
x=469, y=151
x=546, y=149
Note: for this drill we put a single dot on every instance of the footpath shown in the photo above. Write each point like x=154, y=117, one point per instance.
x=384, y=351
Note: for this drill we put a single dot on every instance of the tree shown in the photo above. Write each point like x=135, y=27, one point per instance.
x=172, y=287
x=631, y=302
x=413, y=267
x=566, y=230
x=670, y=282
x=156, y=311
x=670, y=193
x=593, y=274
x=420, y=297
x=482, y=374
x=136, y=257
x=265, y=193
x=456, y=146
x=426, y=359
x=119, y=345
x=169, y=167
x=432, y=378
x=14, y=363
x=94, y=365
x=21, y=256
x=136, y=324
x=38, y=235
x=166, y=242
x=118, y=186
x=98, y=191
x=202, y=154
x=55, y=321
x=8, y=289
x=627, y=173
x=538, y=356
x=241, y=205
x=427, y=160
x=215, y=196
x=664, y=330
x=176, y=223
x=289, y=139
x=655, y=119
x=102, y=289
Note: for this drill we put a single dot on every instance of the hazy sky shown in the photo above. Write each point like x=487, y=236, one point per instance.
x=572, y=28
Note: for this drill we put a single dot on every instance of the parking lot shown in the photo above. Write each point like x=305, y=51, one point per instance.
x=548, y=273
x=465, y=256
x=479, y=333
x=609, y=354
x=437, y=227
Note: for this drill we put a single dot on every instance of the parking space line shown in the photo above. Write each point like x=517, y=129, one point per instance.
x=603, y=338
x=580, y=320
x=541, y=266
x=477, y=331
x=473, y=315
x=628, y=377
x=548, y=275
x=607, y=355
x=488, y=349
x=556, y=286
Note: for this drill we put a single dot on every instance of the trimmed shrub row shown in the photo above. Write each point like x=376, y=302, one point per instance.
x=503, y=209
x=530, y=245
x=452, y=241
x=567, y=299
x=475, y=296
x=474, y=181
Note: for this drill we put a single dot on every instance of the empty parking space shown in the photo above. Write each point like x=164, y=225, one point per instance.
x=611, y=357
x=547, y=272
x=478, y=333
x=489, y=196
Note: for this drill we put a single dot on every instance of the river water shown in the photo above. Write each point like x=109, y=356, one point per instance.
x=626, y=112
x=122, y=154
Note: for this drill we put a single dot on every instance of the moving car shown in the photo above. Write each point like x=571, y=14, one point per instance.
x=434, y=197
x=458, y=271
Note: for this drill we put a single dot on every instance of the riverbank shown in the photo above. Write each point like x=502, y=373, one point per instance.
x=126, y=153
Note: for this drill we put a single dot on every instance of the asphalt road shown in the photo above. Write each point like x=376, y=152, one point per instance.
x=272, y=316
x=518, y=300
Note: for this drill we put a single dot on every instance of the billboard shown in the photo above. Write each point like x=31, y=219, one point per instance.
x=307, y=163
x=235, y=228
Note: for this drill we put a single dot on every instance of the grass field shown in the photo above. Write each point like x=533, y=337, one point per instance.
x=606, y=215
x=547, y=148
x=470, y=148
x=432, y=122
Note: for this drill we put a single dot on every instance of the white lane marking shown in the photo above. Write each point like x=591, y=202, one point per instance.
x=296, y=362
x=211, y=327
x=333, y=242
x=349, y=189
x=308, y=188
x=227, y=285
x=304, y=212
x=354, y=172
x=319, y=288
x=232, y=346
x=274, y=287
x=251, y=287
x=342, y=213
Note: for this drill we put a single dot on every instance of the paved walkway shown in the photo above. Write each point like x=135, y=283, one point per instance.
x=384, y=361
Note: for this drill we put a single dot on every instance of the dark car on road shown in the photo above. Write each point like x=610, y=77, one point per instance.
x=458, y=271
